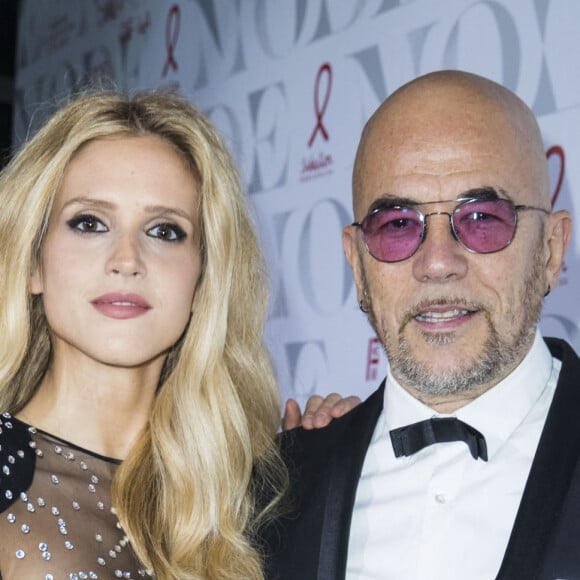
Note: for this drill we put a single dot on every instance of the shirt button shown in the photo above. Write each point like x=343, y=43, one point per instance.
x=440, y=498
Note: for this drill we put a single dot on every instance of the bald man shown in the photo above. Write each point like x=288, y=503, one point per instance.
x=463, y=464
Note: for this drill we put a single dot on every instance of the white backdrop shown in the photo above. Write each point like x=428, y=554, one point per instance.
x=290, y=84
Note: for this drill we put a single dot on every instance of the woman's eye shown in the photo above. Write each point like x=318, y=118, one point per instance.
x=167, y=232
x=87, y=224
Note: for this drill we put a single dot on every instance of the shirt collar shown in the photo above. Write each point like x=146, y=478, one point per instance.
x=496, y=413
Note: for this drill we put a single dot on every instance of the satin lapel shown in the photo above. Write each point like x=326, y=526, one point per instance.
x=346, y=466
x=550, y=475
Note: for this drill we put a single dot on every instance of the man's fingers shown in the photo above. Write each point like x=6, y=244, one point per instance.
x=313, y=406
x=319, y=411
x=345, y=405
x=292, y=415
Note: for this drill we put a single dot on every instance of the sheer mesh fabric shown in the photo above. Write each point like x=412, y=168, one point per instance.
x=56, y=520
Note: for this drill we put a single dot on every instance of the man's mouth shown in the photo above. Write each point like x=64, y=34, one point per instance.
x=435, y=316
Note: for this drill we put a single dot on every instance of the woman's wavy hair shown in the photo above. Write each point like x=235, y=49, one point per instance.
x=187, y=493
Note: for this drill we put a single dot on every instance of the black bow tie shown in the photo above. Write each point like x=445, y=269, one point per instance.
x=412, y=438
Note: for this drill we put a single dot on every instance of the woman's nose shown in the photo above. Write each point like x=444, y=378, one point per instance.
x=126, y=257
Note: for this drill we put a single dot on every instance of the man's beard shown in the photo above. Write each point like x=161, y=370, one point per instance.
x=498, y=356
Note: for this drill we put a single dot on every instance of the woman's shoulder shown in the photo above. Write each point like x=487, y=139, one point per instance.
x=17, y=459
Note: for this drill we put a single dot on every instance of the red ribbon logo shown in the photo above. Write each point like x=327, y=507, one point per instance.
x=171, y=36
x=373, y=351
x=319, y=111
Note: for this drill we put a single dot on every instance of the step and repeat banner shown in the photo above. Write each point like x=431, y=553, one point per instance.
x=290, y=84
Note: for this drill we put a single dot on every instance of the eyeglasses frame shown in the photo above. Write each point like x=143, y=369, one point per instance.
x=460, y=201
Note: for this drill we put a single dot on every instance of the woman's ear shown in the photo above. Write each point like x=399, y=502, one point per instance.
x=35, y=284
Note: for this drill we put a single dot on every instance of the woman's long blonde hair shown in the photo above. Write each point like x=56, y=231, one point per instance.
x=186, y=494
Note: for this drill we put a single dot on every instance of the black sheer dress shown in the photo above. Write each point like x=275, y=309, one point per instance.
x=56, y=519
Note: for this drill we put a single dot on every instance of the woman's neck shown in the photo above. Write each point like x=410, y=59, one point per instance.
x=100, y=408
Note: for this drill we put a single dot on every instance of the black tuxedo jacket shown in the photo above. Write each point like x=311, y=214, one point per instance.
x=309, y=542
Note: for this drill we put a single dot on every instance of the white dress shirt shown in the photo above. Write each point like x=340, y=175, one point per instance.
x=439, y=514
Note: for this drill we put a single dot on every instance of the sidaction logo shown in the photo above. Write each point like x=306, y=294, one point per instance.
x=318, y=164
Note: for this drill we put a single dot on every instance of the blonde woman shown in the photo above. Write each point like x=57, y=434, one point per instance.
x=132, y=368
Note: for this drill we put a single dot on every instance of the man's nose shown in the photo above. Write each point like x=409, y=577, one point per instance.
x=440, y=257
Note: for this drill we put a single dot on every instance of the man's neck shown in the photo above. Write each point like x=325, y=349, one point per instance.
x=447, y=404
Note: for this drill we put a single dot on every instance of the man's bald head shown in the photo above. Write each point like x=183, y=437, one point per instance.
x=452, y=107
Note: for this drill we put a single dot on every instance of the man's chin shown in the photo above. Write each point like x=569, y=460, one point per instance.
x=442, y=363
x=447, y=347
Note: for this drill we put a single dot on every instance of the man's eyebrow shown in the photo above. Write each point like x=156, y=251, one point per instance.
x=390, y=200
x=484, y=193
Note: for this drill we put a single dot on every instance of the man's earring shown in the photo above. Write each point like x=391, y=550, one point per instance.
x=548, y=291
x=362, y=308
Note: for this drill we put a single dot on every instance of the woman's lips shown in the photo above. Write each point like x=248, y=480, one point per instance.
x=121, y=306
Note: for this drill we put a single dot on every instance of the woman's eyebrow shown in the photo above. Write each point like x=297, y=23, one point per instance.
x=109, y=205
x=169, y=210
x=89, y=201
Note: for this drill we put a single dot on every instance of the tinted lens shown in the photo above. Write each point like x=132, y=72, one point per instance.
x=484, y=226
x=393, y=234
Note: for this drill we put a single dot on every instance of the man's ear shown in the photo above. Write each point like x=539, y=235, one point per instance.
x=353, y=257
x=560, y=224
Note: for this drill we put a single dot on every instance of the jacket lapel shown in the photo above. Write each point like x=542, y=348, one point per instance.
x=550, y=474
x=344, y=472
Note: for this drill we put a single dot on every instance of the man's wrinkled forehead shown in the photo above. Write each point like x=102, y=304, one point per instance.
x=440, y=122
